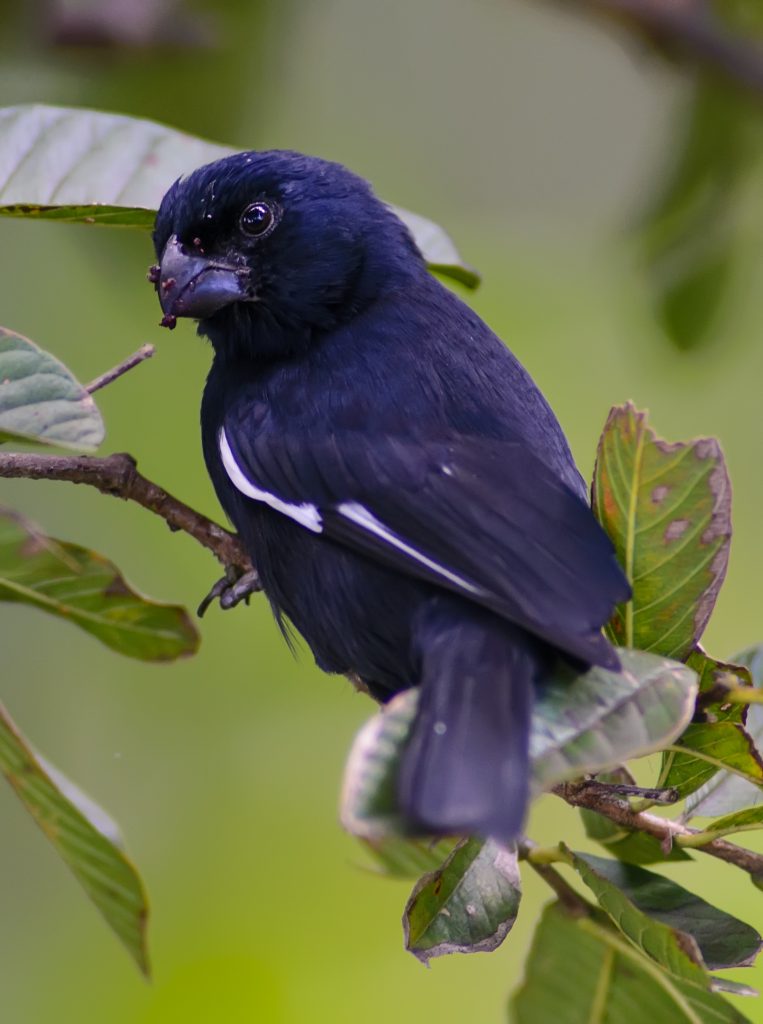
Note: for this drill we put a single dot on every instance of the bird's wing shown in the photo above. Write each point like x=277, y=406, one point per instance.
x=484, y=519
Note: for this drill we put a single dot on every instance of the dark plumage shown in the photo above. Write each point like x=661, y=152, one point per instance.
x=405, y=491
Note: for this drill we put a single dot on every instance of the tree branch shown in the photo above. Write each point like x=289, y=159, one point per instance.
x=689, y=29
x=118, y=475
x=577, y=794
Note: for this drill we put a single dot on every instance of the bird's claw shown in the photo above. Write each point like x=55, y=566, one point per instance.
x=231, y=590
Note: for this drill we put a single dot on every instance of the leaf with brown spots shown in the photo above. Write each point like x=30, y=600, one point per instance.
x=667, y=509
x=82, y=835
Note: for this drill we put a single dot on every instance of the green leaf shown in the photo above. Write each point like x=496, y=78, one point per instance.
x=580, y=724
x=41, y=401
x=100, y=819
x=59, y=163
x=105, y=873
x=703, y=749
x=408, y=858
x=633, y=847
x=676, y=952
x=437, y=248
x=468, y=905
x=714, y=678
x=723, y=732
x=726, y=792
x=84, y=588
x=666, y=508
x=723, y=941
x=368, y=806
x=596, y=721
x=580, y=971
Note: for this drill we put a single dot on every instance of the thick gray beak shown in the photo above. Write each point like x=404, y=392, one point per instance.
x=193, y=285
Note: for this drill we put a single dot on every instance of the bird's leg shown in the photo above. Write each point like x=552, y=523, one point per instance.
x=233, y=588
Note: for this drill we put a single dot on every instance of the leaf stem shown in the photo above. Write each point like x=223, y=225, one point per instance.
x=742, y=695
x=598, y=1009
x=700, y=839
x=567, y=896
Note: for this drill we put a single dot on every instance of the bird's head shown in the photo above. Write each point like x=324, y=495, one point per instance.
x=266, y=249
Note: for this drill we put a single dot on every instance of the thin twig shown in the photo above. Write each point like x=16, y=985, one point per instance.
x=118, y=475
x=688, y=29
x=577, y=795
x=143, y=353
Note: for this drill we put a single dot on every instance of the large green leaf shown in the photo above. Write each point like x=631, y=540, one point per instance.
x=68, y=164
x=723, y=941
x=597, y=721
x=84, y=588
x=674, y=952
x=727, y=792
x=722, y=740
x=41, y=401
x=105, y=873
x=466, y=906
x=703, y=749
x=666, y=508
x=581, y=971
x=580, y=724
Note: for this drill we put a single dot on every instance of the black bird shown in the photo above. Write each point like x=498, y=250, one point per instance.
x=404, y=490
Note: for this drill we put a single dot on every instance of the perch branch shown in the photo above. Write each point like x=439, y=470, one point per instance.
x=690, y=29
x=577, y=794
x=118, y=475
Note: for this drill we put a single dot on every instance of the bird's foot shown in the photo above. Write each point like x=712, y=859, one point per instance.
x=231, y=590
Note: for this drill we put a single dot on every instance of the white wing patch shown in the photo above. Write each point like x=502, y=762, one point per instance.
x=362, y=517
x=305, y=514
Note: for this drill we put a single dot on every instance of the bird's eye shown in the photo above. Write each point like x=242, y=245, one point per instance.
x=257, y=219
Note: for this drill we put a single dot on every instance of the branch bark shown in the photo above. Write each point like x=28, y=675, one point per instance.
x=578, y=794
x=688, y=29
x=118, y=475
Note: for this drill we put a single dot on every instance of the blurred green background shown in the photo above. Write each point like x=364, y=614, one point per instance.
x=535, y=138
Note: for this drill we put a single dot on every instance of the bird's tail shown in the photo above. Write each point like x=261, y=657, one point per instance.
x=465, y=768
